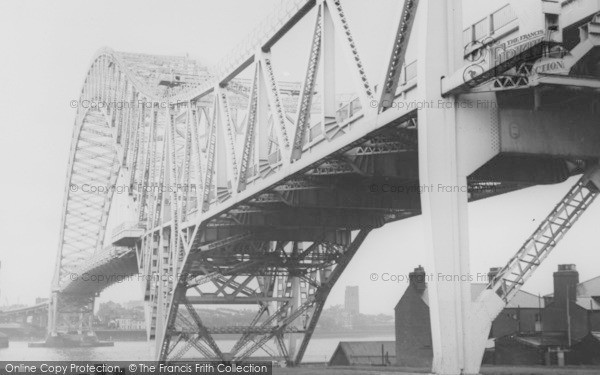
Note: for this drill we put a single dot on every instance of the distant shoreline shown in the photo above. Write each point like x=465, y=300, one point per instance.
x=140, y=335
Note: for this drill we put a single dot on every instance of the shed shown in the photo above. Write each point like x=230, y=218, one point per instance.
x=364, y=353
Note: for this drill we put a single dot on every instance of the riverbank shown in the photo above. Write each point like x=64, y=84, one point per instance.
x=140, y=335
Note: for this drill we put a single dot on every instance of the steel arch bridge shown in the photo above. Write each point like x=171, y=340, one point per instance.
x=234, y=187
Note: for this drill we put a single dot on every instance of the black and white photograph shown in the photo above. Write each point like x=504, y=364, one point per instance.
x=310, y=187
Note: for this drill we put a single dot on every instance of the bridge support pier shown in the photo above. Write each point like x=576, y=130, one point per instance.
x=70, y=313
x=459, y=326
x=70, y=322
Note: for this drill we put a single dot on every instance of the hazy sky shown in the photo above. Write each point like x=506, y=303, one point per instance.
x=46, y=50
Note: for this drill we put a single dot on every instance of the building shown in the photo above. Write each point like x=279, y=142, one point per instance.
x=133, y=305
x=573, y=307
x=130, y=324
x=587, y=350
x=570, y=318
x=522, y=314
x=413, y=330
x=557, y=329
x=527, y=349
x=364, y=353
x=351, y=301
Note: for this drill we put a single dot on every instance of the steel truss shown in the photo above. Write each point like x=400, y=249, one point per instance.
x=243, y=190
x=544, y=239
x=288, y=280
x=248, y=191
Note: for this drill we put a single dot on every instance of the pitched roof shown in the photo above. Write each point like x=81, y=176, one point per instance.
x=544, y=340
x=589, y=288
x=538, y=339
x=365, y=352
x=522, y=299
x=526, y=300
x=589, y=303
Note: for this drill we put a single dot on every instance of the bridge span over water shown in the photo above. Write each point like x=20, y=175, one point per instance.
x=244, y=188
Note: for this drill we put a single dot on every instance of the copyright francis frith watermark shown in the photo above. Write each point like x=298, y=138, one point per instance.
x=479, y=277
x=490, y=55
x=430, y=188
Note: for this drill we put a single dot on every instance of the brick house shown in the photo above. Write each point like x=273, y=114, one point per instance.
x=530, y=330
x=413, y=331
x=571, y=318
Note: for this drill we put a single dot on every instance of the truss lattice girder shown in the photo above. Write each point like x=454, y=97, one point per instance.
x=96, y=155
x=194, y=140
x=398, y=54
x=539, y=245
x=231, y=287
x=529, y=257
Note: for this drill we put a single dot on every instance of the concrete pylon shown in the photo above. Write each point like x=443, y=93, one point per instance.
x=459, y=326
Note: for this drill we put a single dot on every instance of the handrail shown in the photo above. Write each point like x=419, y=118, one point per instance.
x=494, y=22
x=508, y=12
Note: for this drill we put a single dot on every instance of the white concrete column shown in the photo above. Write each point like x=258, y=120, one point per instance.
x=453, y=142
x=444, y=204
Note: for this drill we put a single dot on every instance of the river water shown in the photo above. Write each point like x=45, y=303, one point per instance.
x=320, y=349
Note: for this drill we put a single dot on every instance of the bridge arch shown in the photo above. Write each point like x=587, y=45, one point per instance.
x=106, y=118
x=93, y=169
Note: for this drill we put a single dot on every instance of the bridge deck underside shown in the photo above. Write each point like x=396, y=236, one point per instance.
x=373, y=182
x=297, y=235
x=96, y=277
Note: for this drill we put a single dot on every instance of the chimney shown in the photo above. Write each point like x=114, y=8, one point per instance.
x=417, y=279
x=566, y=278
x=493, y=273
